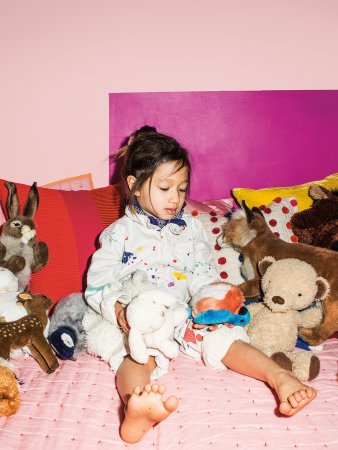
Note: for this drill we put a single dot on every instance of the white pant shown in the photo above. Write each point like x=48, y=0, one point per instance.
x=211, y=346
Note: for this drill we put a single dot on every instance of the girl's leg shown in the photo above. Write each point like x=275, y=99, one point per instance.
x=293, y=395
x=144, y=406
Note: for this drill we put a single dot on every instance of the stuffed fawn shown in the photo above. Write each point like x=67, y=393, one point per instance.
x=29, y=331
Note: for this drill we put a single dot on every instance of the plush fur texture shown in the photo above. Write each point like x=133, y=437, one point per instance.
x=9, y=308
x=9, y=390
x=318, y=225
x=29, y=331
x=19, y=250
x=289, y=287
x=67, y=316
x=103, y=338
x=219, y=303
x=249, y=233
x=152, y=315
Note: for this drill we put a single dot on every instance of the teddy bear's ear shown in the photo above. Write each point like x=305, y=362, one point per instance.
x=265, y=263
x=319, y=192
x=323, y=288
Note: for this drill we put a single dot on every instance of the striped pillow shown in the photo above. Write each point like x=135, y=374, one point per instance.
x=70, y=223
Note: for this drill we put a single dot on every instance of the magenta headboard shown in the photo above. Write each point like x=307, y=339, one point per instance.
x=238, y=139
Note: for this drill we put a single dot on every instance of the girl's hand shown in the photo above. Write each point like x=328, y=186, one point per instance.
x=121, y=318
x=198, y=326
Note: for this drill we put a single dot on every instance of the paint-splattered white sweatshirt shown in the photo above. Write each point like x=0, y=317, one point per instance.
x=174, y=257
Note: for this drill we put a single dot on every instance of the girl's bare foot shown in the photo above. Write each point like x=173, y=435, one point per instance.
x=143, y=410
x=293, y=394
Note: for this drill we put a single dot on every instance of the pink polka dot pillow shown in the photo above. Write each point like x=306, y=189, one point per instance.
x=226, y=260
x=278, y=216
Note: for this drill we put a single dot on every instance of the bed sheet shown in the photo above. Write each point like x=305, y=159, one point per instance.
x=78, y=407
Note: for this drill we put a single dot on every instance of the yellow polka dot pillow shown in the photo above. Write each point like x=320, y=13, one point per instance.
x=261, y=197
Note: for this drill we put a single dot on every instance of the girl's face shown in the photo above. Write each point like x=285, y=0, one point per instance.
x=165, y=195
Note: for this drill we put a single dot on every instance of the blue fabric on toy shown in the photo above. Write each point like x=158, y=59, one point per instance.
x=213, y=317
x=63, y=340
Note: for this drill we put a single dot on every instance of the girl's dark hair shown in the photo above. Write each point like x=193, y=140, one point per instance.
x=146, y=150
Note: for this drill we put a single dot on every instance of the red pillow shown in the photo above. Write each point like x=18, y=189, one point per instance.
x=70, y=223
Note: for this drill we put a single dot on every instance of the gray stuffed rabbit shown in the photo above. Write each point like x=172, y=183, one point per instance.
x=19, y=250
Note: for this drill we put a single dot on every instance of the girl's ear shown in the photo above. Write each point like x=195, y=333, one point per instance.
x=131, y=181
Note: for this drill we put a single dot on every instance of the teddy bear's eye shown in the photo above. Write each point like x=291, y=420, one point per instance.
x=299, y=295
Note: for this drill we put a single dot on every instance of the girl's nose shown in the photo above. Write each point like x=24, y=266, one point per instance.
x=174, y=197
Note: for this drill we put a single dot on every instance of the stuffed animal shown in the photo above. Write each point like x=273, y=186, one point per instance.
x=152, y=320
x=9, y=391
x=19, y=250
x=248, y=233
x=219, y=303
x=66, y=334
x=9, y=309
x=103, y=339
x=152, y=314
x=318, y=225
x=28, y=331
x=289, y=286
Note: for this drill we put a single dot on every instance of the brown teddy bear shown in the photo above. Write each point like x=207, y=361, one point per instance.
x=318, y=225
x=289, y=286
x=248, y=233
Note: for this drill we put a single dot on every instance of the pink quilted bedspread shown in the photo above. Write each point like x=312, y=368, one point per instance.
x=78, y=407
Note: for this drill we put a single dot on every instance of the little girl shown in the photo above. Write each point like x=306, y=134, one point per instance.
x=156, y=236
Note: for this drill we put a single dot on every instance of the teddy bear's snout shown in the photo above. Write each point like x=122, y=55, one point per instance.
x=278, y=300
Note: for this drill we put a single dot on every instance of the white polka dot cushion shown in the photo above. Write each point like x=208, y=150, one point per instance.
x=226, y=260
x=278, y=216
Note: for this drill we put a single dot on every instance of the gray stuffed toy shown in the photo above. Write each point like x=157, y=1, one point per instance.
x=66, y=333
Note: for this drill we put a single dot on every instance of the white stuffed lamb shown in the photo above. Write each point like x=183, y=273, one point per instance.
x=152, y=321
x=152, y=314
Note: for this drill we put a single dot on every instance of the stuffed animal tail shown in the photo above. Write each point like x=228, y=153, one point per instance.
x=9, y=391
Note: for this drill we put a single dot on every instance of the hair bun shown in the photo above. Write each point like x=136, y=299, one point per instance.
x=146, y=129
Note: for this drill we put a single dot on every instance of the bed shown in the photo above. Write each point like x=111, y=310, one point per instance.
x=254, y=140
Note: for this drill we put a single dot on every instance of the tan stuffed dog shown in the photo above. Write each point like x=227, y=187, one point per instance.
x=248, y=233
x=289, y=287
x=9, y=391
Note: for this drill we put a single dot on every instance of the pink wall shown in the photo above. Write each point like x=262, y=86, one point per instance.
x=60, y=59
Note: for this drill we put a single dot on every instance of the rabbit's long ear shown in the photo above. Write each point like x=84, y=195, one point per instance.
x=12, y=205
x=32, y=202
